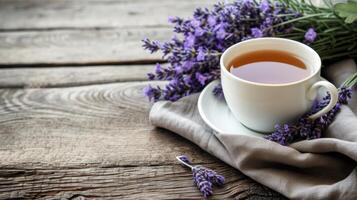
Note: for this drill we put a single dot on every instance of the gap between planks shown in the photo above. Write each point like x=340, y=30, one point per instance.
x=82, y=64
x=72, y=76
x=45, y=14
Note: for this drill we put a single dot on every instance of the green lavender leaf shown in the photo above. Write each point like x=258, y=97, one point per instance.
x=347, y=10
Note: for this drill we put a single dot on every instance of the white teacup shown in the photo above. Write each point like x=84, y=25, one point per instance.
x=260, y=106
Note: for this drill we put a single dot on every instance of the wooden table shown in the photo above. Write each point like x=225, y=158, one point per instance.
x=73, y=120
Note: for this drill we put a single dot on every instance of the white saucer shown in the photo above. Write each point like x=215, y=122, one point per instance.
x=216, y=114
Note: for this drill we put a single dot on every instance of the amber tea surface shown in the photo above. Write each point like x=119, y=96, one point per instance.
x=269, y=66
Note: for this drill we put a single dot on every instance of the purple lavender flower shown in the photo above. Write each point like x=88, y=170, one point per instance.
x=195, y=23
x=158, y=69
x=184, y=158
x=310, y=35
x=256, y=32
x=307, y=128
x=218, y=91
x=152, y=93
x=199, y=31
x=213, y=177
x=221, y=33
x=202, y=183
x=203, y=177
x=190, y=41
x=188, y=65
x=264, y=6
x=152, y=46
x=194, y=51
x=174, y=20
x=151, y=76
x=201, y=54
x=211, y=20
x=201, y=78
x=344, y=95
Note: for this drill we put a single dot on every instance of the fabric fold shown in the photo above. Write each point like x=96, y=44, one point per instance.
x=312, y=169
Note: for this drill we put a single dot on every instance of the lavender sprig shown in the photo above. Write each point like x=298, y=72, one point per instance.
x=203, y=177
x=307, y=128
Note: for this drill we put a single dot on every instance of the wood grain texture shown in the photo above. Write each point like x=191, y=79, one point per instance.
x=116, y=182
x=62, y=137
x=95, y=46
x=105, y=123
x=49, y=14
x=41, y=77
x=96, y=142
x=85, y=32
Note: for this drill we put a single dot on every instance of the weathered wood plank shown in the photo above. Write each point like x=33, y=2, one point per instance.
x=96, y=142
x=40, y=77
x=78, y=46
x=85, y=32
x=116, y=182
x=48, y=14
x=106, y=123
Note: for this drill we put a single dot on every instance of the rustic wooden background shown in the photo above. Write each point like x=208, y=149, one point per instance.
x=73, y=121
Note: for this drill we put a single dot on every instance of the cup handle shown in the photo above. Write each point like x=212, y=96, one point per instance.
x=332, y=90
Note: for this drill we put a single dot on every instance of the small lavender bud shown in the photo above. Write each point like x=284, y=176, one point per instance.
x=218, y=91
x=213, y=177
x=185, y=159
x=152, y=46
x=310, y=35
x=344, y=95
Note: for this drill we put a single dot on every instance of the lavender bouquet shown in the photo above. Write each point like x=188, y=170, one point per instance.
x=194, y=51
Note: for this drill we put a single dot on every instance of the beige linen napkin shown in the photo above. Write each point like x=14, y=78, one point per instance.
x=317, y=169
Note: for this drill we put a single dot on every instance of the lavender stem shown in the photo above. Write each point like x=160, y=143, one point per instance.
x=184, y=163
